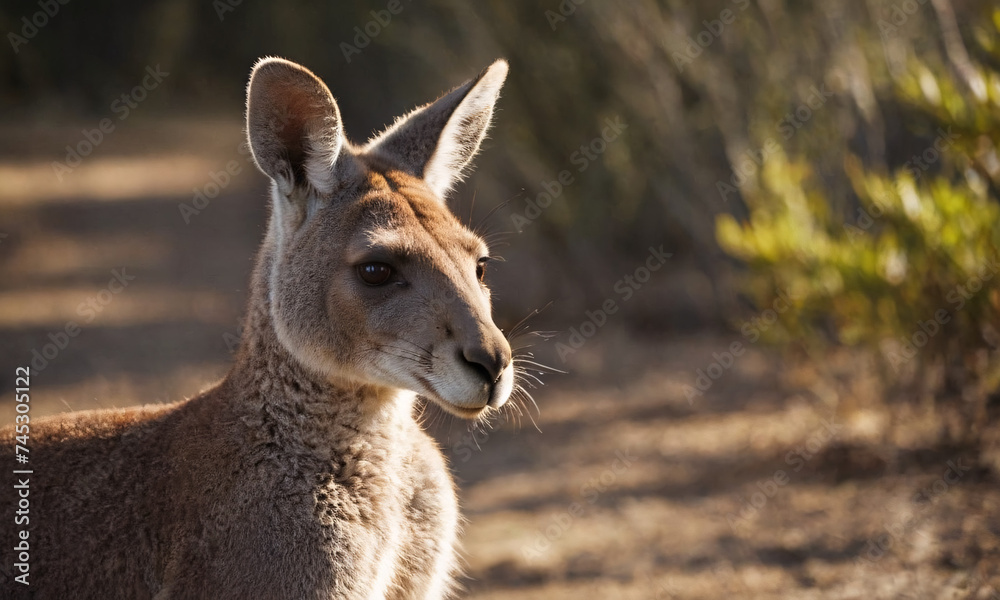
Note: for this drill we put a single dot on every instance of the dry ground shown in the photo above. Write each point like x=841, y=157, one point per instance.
x=759, y=489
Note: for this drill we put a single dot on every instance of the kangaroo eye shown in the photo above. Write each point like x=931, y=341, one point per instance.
x=374, y=273
x=481, y=268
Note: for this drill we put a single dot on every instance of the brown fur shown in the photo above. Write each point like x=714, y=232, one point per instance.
x=303, y=474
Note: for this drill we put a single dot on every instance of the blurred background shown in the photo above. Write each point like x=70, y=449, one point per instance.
x=760, y=237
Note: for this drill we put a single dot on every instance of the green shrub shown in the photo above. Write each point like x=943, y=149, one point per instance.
x=909, y=272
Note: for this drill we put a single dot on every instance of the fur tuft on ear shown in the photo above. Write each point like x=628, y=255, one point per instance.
x=293, y=125
x=438, y=141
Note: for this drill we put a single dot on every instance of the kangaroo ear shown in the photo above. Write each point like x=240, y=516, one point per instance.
x=293, y=125
x=437, y=141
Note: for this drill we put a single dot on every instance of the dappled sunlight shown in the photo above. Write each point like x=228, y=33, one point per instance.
x=151, y=304
x=104, y=180
x=125, y=166
x=54, y=257
x=747, y=253
x=124, y=389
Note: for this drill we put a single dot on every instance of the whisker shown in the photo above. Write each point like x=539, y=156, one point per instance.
x=525, y=394
x=496, y=208
x=472, y=205
x=539, y=366
x=500, y=234
x=524, y=375
x=495, y=239
x=421, y=415
x=405, y=351
x=523, y=322
x=520, y=342
x=387, y=353
x=415, y=345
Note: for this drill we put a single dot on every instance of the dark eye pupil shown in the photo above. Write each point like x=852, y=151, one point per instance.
x=374, y=273
x=480, y=271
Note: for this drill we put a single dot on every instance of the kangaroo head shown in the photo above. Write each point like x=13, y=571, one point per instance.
x=370, y=277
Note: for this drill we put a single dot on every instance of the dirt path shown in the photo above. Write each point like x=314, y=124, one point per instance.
x=757, y=492
x=759, y=489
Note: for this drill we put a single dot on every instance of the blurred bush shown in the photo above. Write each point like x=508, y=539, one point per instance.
x=908, y=268
x=713, y=96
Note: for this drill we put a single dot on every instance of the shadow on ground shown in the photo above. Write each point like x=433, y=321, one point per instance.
x=756, y=489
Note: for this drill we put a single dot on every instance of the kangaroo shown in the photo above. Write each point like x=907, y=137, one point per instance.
x=304, y=473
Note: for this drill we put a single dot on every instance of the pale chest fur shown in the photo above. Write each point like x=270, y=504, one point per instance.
x=363, y=500
x=407, y=516
x=394, y=514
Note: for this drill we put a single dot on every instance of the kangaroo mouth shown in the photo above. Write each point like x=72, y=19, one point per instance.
x=490, y=398
x=464, y=412
x=493, y=403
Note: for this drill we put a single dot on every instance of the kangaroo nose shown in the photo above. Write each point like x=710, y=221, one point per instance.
x=490, y=363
